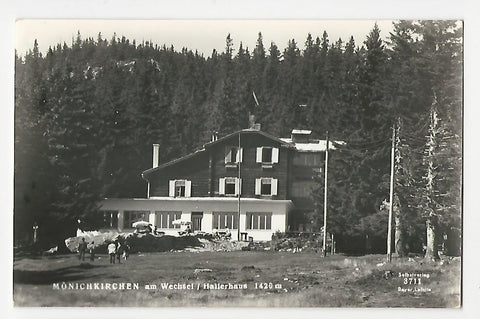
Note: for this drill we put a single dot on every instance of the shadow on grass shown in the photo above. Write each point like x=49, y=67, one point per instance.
x=46, y=277
x=19, y=257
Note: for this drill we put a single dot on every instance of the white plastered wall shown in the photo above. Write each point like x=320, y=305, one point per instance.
x=278, y=208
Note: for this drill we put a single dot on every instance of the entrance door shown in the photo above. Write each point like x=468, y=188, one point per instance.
x=197, y=221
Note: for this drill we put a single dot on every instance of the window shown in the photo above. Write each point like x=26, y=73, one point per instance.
x=267, y=155
x=132, y=216
x=303, y=188
x=266, y=186
x=110, y=219
x=233, y=155
x=180, y=188
x=165, y=219
x=230, y=186
x=222, y=220
x=259, y=220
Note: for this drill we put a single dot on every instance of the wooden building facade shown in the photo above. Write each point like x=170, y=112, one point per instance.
x=248, y=181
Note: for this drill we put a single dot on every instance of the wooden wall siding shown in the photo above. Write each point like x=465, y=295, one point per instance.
x=205, y=169
x=194, y=169
x=250, y=169
x=305, y=172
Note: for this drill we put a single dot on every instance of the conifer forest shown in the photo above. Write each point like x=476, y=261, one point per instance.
x=88, y=112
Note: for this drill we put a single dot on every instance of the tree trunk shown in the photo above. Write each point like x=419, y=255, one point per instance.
x=400, y=248
x=400, y=241
x=431, y=253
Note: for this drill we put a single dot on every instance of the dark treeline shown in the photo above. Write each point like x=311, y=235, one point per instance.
x=87, y=114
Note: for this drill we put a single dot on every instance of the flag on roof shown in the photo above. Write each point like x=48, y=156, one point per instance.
x=255, y=97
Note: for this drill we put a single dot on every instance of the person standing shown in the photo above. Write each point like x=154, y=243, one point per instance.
x=91, y=251
x=82, y=248
x=228, y=234
x=111, y=251
x=119, y=252
x=126, y=251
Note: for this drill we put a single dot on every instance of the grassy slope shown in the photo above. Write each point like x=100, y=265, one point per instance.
x=307, y=280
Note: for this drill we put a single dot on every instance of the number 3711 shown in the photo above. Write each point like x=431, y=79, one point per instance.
x=412, y=281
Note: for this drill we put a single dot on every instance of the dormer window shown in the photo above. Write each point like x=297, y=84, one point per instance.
x=267, y=155
x=180, y=188
x=266, y=186
x=233, y=155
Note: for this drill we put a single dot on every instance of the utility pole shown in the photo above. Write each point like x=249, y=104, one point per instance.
x=325, y=202
x=239, y=156
x=390, y=209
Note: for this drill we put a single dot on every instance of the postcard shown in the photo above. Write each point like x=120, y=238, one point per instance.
x=238, y=163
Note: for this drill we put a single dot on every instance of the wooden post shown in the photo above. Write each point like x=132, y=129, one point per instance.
x=331, y=248
x=35, y=228
x=325, y=202
x=390, y=209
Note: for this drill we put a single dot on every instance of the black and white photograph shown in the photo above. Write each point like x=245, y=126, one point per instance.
x=298, y=163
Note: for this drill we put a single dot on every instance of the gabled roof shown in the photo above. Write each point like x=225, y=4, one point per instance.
x=212, y=143
x=249, y=131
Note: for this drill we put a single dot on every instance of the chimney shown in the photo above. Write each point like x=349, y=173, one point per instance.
x=251, y=120
x=214, y=136
x=156, y=148
x=252, y=124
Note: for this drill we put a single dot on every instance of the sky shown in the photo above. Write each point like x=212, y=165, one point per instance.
x=202, y=35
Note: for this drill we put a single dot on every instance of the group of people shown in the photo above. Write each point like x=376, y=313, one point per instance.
x=116, y=250
x=83, y=247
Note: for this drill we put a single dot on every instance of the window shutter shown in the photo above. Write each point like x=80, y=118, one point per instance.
x=221, y=186
x=274, y=155
x=171, y=188
x=274, y=186
x=188, y=188
x=259, y=154
x=228, y=155
x=240, y=153
x=258, y=186
x=238, y=186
